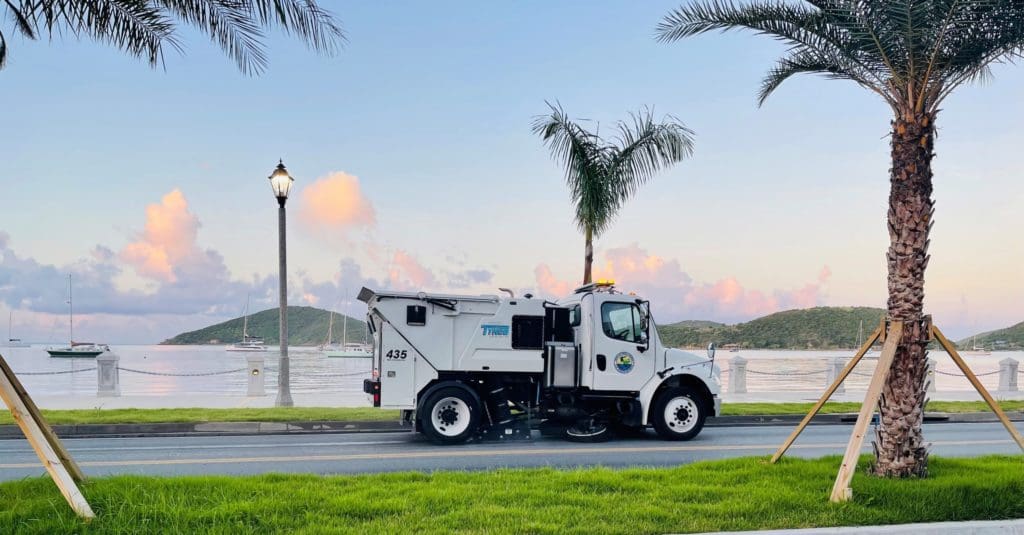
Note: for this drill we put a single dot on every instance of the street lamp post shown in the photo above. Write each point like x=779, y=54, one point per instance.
x=281, y=182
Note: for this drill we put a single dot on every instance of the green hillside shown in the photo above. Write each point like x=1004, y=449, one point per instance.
x=306, y=326
x=812, y=328
x=1008, y=338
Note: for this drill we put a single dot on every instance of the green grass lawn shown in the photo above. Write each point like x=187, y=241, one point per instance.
x=741, y=409
x=709, y=496
x=309, y=414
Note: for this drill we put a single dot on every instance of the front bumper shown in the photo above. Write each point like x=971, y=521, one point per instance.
x=718, y=405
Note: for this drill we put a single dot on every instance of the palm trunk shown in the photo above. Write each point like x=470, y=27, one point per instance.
x=899, y=448
x=588, y=256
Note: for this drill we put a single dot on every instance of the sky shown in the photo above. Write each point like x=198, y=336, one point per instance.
x=415, y=168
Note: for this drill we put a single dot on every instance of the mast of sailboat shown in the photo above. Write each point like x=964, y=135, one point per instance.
x=245, y=320
x=71, y=315
x=330, y=329
x=344, y=329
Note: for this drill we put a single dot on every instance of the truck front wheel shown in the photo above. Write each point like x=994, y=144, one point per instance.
x=678, y=414
x=451, y=415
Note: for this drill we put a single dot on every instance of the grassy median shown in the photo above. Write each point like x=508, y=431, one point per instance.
x=708, y=496
x=353, y=414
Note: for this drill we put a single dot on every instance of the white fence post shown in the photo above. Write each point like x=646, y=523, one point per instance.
x=834, y=369
x=1008, y=375
x=738, y=375
x=257, y=379
x=108, y=379
x=931, y=377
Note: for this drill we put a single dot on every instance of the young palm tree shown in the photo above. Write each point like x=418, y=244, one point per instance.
x=602, y=175
x=913, y=54
x=143, y=28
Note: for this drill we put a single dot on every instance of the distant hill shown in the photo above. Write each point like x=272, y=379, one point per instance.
x=1008, y=338
x=811, y=328
x=306, y=326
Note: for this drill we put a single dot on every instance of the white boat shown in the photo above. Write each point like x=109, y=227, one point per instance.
x=249, y=344
x=346, y=350
x=351, y=351
x=11, y=340
x=75, y=349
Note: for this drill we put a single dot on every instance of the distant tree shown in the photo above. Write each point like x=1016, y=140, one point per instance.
x=912, y=54
x=145, y=28
x=602, y=175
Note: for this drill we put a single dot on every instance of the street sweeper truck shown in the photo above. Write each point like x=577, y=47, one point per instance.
x=493, y=367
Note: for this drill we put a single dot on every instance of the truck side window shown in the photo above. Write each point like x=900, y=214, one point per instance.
x=621, y=321
x=575, y=317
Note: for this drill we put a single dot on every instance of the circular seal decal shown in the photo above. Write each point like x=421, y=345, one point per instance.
x=624, y=362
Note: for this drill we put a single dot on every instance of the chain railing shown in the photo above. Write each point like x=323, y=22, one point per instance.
x=787, y=374
x=168, y=374
x=63, y=372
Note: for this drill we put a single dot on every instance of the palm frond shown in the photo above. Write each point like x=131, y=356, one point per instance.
x=314, y=25
x=913, y=53
x=144, y=28
x=21, y=20
x=602, y=176
x=582, y=155
x=646, y=147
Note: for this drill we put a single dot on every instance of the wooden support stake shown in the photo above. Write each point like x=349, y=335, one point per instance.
x=951, y=349
x=39, y=442
x=828, y=394
x=51, y=437
x=841, y=491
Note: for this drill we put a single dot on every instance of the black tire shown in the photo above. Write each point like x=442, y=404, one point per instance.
x=450, y=415
x=688, y=413
x=588, y=430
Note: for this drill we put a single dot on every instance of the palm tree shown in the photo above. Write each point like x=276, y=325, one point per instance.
x=913, y=54
x=602, y=175
x=143, y=28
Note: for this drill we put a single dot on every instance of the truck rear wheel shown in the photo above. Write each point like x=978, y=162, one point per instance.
x=678, y=414
x=451, y=415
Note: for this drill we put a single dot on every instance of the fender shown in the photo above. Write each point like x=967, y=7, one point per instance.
x=449, y=383
x=680, y=377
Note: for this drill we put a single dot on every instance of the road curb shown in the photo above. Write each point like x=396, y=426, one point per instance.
x=287, y=428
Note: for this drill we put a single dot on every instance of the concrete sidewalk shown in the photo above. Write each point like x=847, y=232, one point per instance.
x=974, y=527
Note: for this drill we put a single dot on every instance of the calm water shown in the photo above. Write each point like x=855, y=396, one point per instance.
x=311, y=373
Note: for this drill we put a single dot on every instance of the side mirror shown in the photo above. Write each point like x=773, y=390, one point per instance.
x=711, y=351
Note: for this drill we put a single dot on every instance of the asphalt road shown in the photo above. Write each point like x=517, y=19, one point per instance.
x=382, y=452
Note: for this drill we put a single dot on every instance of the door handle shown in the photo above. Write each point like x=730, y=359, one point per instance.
x=602, y=361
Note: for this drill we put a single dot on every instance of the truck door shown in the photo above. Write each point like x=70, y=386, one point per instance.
x=620, y=360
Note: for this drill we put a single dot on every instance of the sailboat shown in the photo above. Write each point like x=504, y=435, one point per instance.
x=347, y=350
x=980, y=350
x=248, y=343
x=860, y=339
x=11, y=340
x=75, y=349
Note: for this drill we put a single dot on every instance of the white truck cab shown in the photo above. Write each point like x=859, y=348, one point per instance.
x=462, y=367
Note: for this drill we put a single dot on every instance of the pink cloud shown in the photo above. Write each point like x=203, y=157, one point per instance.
x=405, y=272
x=169, y=237
x=336, y=202
x=674, y=294
x=548, y=283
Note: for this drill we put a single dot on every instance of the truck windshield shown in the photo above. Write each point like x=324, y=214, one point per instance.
x=621, y=321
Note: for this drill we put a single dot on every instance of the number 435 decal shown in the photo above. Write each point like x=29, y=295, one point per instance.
x=397, y=354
